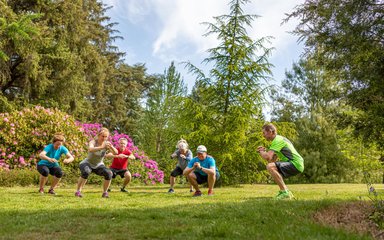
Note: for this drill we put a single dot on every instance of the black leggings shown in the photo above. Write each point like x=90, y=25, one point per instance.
x=86, y=169
x=54, y=171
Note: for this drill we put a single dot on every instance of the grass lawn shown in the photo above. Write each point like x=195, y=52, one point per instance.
x=149, y=212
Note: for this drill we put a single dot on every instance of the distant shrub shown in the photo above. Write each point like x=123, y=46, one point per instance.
x=20, y=177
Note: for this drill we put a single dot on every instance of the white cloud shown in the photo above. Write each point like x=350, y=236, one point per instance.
x=181, y=23
x=176, y=31
x=135, y=11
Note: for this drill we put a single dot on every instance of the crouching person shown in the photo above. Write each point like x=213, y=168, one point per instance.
x=202, y=169
x=48, y=163
x=97, y=150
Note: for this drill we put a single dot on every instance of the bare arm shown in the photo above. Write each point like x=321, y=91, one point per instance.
x=111, y=148
x=270, y=155
x=92, y=148
x=69, y=158
x=188, y=170
x=43, y=155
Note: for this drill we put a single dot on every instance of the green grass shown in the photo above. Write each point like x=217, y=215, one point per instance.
x=148, y=212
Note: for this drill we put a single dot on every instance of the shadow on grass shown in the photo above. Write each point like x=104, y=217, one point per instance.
x=196, y=218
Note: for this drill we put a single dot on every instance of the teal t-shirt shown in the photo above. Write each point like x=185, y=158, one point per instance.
x=208, y=162
x=53, y=153
x=286, y=152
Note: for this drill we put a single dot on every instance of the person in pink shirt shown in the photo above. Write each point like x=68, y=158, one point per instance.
x=119, y=164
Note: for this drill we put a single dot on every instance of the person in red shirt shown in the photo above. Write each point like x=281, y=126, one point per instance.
x=119, y=164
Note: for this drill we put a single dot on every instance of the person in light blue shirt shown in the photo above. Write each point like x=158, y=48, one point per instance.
x=48, y=163
x=202, y=169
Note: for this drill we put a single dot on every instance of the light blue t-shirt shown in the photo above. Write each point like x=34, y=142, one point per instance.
x=53, y=153
x=208, y=162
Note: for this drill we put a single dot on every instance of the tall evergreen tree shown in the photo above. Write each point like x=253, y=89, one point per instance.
x=160, y=124
x=230, y=98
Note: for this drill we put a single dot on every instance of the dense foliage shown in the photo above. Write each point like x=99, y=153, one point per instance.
x=346, y=37
x=58, y=63
x=24, y=134
x=59, y=54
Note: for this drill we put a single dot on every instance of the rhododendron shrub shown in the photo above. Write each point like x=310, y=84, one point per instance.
x=25, y=133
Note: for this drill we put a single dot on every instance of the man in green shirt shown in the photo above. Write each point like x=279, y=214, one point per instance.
x=290, y=162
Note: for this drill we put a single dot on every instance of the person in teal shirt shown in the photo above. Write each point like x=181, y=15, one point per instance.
x=202, y=169
x=283, y=159
x=48, y=163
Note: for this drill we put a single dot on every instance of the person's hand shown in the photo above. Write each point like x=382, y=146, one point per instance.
x=107, y=145
x=122, y=156
x=131, y=157
x=173, y=155
x=260, y=149
x=196, y=165
x=67, y=160
x=182, y=156
x=52, y=160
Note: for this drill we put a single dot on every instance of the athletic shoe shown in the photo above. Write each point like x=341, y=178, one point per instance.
x=51, y=191
x=41, y=191
x=190, y=190
x=197, y=194
x=210, y=192
x=78, y=194
x=105, y=195
x=123, y=190
x=171, y=190
x=284, y=195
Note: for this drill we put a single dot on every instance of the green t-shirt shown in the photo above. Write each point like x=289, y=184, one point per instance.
x=286, y=152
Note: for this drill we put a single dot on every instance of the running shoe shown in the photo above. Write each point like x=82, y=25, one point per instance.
x=105, y=195
x=197, y=194
x=78, y=194
x=51, y=191
x=171, y=190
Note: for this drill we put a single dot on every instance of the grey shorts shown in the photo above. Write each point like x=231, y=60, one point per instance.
x=286, y=169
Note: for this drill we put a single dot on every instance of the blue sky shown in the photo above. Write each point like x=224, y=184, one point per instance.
x=157, y=32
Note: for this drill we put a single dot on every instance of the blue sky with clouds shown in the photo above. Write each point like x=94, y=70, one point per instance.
x=157, y=32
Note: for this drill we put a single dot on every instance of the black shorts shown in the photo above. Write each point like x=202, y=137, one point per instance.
x=177, y=172
x=120, y=172
x=286, y=169
x=204, y=178
x=54, y=171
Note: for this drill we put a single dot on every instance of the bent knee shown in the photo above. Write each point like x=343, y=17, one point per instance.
x=108, y=174
x=271, y=166
x=59, y=174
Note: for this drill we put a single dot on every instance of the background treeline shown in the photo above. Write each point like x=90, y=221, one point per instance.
x=331, y=104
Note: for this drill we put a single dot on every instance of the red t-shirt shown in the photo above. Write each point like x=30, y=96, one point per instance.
x=121, y=163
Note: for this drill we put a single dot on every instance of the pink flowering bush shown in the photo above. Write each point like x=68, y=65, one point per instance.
x=25, y=133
